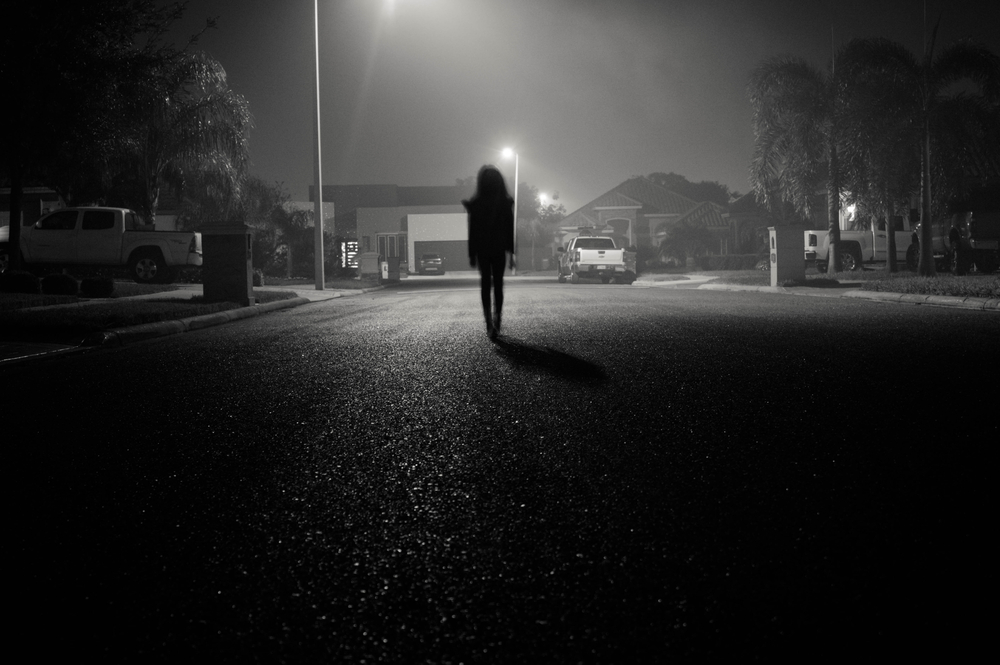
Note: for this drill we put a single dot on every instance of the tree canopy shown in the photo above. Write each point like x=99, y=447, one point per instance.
x=706, y=190
x=106, y=111
x=882, y=125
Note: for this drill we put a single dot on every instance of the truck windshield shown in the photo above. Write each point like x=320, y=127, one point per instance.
x=595, y=243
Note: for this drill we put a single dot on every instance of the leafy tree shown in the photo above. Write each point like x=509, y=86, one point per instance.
x=945, y=116
x=882, y=112
x=180, y=120
x=880, y=155
x=706, y=190
x=902, y=111
x=66, y=79
x=795, y=114
x=111, y=112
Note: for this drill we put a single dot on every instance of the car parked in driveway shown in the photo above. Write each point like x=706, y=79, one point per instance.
x=102, y=236
x=430, y=263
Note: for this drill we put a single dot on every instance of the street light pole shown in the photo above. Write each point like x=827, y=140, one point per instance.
x=507, y=153
x=318, y=165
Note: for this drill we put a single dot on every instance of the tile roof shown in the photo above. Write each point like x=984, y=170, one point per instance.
x=614, y=199
x=707, y=214
x=642, y=191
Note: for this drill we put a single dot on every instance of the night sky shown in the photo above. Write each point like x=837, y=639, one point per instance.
x=589, y=92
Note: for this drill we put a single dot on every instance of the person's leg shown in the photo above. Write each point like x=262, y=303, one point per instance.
x=497, y=267
x=485, y=279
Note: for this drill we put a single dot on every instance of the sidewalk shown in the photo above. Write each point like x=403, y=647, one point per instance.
x=843, y=290
x=13, y=352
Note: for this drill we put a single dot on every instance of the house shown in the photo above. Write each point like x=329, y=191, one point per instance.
x=400, y=223
x=35, y=202
x=639, y=213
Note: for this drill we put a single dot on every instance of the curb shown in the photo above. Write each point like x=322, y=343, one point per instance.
x=954, y=302
x=984, y=304
x=164, y=328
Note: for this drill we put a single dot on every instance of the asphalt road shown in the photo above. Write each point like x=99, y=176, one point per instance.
x=630, y=475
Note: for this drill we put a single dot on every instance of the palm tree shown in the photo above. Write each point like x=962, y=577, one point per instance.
x=883, y=111
x=182, y=119
x=879, y=157
x=944, y=114
x=795, y=113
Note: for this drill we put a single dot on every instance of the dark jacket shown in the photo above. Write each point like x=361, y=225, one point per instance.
x=491, y=226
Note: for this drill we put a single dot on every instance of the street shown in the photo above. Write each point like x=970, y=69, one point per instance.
x=630, y=475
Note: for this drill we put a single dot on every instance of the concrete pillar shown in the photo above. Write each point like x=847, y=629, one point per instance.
x=227, y=264
x=788, y=260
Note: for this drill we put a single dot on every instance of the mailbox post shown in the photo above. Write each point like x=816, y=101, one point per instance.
x=787, y=256
x=227, y=264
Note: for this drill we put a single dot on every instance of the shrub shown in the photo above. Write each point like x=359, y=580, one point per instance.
x=97, y=287
x=60, y=284
x=20, y=281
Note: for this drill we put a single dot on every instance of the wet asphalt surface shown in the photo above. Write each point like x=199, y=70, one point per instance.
x=630, y=475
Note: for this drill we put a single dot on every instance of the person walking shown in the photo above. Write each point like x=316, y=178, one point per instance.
x=491, y=239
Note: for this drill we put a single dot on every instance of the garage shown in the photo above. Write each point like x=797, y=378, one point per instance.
x=454, y=253
x=444, y=234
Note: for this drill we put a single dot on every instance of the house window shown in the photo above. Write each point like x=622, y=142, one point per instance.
x=388, y=246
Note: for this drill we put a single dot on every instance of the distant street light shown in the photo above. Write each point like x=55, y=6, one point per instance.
x=508, y=153
x=318, y=164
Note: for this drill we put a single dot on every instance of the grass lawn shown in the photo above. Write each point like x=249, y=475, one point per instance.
x=107, y=314
x=9, y=301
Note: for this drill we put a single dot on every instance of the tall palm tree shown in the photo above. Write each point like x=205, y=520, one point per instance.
x=880, y=158
x=182, y=119
x=795, y=122
x=943, y=114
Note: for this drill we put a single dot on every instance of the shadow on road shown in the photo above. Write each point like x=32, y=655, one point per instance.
x=549, y=360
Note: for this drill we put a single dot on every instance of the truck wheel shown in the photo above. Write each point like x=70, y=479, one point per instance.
x=961, y=261
x=821, y=266
x=913, y=257
x=146, y=267
x=850, y=260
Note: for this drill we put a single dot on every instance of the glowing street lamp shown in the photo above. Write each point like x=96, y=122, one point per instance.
x=508, y=153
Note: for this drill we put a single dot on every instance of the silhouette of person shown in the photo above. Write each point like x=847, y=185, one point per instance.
x=491, y=238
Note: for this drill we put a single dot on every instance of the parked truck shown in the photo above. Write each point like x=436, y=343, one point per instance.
x=594, y=257
x=969, y=235
x=858, y=246
x=99, y=236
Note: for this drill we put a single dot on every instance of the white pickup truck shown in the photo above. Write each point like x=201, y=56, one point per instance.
x=858, y=246
x=98, y=236
x=593, y=256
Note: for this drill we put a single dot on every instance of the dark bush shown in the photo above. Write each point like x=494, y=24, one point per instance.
x=20, y=281
x=60, y=284
x=97, y=287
